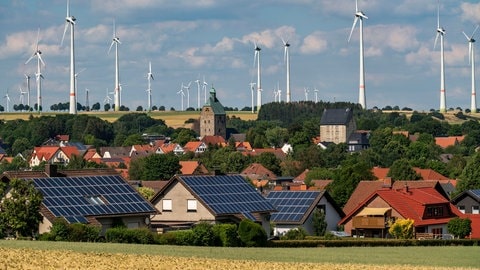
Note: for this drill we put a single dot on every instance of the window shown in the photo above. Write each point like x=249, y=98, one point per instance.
x=435, y=211
x=475, y=209
x=167, y=205
x=461, y=208
x=191, y=205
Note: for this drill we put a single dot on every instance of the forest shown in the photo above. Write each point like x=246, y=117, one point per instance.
x=295, y=123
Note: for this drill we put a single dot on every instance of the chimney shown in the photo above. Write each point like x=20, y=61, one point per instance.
x=406, y=187
x=51, y=170
x=387, y=182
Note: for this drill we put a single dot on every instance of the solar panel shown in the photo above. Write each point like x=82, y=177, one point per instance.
x=228, y=194
x=75, y=197
x=476, y=192
x=291, y=205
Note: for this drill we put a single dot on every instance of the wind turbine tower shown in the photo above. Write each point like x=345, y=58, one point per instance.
x=116, y=41
x=181, y=93
x=38, y=75
x=87, y=101
x=187, y=87
x=471, y=59
x=7, y=99
x=28, y=89
x=149, y=90
x=359, y=16
x=286, y=57
x=315, y=90
x=198, y=93
x=441, y=33
x=259, y=78
x=252, y=88
x=70, y=21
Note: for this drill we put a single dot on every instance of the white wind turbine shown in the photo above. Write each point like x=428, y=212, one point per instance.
x=38, y=75
x=305, y=89
x=7, y=100
x=359, y=16
x=76, y=81
x=279, y=92
x=441, y=33
x=204, y=86
x=70, y=21
x=187, y=87
x=149, y=89
x=256, y=59
x=107, y=98
x=471, y=60
x=181, y=93
x=28, y=89
x=116, y=41
x=252, y=88
x=21, y=99
x=286, y=59
x=315, y=90
x=198, y=93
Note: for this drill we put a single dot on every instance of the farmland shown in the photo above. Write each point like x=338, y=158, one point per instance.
x=62, y=255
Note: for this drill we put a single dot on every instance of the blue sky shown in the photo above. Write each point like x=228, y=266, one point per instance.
x=187, y=40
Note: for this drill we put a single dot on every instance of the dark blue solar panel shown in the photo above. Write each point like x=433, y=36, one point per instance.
x=291, y=205
x=227, y=194
x=68, y=196
x=476, y=192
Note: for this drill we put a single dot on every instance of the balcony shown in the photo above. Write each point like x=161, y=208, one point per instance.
x=360, y=222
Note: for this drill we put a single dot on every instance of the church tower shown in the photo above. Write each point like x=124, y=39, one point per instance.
x=213, y=119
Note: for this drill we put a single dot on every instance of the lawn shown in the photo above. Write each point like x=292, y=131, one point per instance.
x=38, y=253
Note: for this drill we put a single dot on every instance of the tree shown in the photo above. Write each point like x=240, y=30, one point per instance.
x=470, y=177
x=402, y=170
x=133, y=139
x=146, y=192
x=319, y=222
x=154, y=167
x=20, y=213
x=269, y=161
x=402, y=229
x=459, y=227
x=252, y=234
x=139, y=108
x=107, y=107
x=276, y=136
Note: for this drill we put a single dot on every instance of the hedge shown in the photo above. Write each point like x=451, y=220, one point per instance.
x=371, y=243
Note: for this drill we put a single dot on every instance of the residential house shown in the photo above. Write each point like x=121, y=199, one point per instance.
x=213, y=140
x=296, y=209
x=261, y=177
x=468, y=202
x=97, y=196
x=213, y=119
x=195, y=147
x=445, y=142
x=52, y=155
x=189, y=199
x=193, y=167
x=429, y=210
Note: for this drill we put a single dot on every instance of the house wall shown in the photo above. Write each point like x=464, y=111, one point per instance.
x=467, y=202
x=179, y=196
x=337, y=133
x=44, y=226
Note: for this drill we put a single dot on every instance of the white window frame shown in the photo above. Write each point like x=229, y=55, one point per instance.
x=167, y=205
x=461, y=208
x=191, y=205
x=475, y=209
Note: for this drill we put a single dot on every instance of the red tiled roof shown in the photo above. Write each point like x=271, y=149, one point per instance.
x=70, y=150
x=258, y=171
x=475, y=218
x=301, y=177
x=320, y=184
x=444, y=142
x=361, y=192
x=193, y=167
x=192, y=146
x=213, y=140
x=427, y=174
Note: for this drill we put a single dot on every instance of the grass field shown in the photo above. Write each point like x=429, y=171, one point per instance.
x=174, y=119
x=63, y=255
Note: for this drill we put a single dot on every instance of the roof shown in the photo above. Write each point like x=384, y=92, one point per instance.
x=336, y=116
x=320, y=184
x=427, y=174
x=222, y=194
x=192, y=167
x=410, y=204
x=301, y=177
x=472, y=193
x=445, y=142
x=193, y=146
x=213, y=102
x=213, y=140
x=258, y=172
x=79, y=197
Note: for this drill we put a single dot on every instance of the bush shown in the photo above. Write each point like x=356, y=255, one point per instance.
x=133, y=236
x=226, y=235
x=295, y=234
x=59, y=230
x=203, y=235
x=183, y=238
x=252, y=234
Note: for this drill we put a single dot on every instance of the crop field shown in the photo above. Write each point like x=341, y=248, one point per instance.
x=174, y=119
x=62, y=255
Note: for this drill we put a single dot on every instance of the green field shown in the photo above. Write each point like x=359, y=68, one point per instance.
x=448, y=256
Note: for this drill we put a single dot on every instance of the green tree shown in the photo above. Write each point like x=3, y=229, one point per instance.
x=21, y=145
x=76, y=162
x=276, y=136
x=252, y=234
x=146, y=192
x=459, y=227
x=155, y=167
x=402, y=170
x=183, y=135
x=470, y=177
x=318, y=174
x=133, y=139
x=20, y=213
x=319, y=222
x=269, y=161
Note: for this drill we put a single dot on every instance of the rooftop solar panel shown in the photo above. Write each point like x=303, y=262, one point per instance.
x=227, y=194
x=476, y=192
x=291, y=205
x=77, y=197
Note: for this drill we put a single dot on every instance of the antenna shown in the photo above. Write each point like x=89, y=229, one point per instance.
x=38, y=75
x=441, y=33
x=471, y=61
x=359, y=16
x=116, y=41
x=70, y=22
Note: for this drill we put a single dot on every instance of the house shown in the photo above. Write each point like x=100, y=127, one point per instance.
x=257, y=171
x=98, y=196
x=195, y=147
x=445, y=142
x=189, y=199
x=337, y=125
x=358, y=141
x=296, y=208
x=429, y=210
x=468, y=202
x=213, y=140
x=213, y=119
x=52, y=155
x=193, y=167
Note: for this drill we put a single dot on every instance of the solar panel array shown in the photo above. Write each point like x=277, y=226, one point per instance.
x=476, y=192
x=291, y=205
x=228, y=194
x=77, y=197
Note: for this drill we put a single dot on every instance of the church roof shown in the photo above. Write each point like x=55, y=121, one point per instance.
x=213, y=102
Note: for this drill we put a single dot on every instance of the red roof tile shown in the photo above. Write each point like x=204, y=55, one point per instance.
x=444, y=142
x=258, y=171
x=427, y=174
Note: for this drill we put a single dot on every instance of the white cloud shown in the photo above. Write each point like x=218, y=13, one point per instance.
x=470, y=12
x=314, y=43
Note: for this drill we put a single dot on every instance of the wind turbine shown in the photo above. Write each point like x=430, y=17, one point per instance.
x=198, y=93
x=256, y=59
x=116, y=41
x=76, y=81
x=28, y=89
x=149, y=83
x=315, y=90
x=70, y=21
x=7, y=98
x=181, y=93
x=252, y=88
x=87, y=102
x=188, y=93
x=107, y=98
x=21, y=99
x=38, y=75
x=441, y=33
x=286, y=59
x=305, y=89
x=205, y=84
x=471, y=60
x=359, y=16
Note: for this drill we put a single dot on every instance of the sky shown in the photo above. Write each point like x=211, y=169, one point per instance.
x=213, y=41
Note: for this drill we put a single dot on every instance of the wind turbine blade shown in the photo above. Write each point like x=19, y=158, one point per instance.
x=474, y=31
x=110, y=48
x=436, y=39
x=468, y=38
x=64, y=32
x=41, y=60
x=353, y=27
x=356, y=5
x=31, y=57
